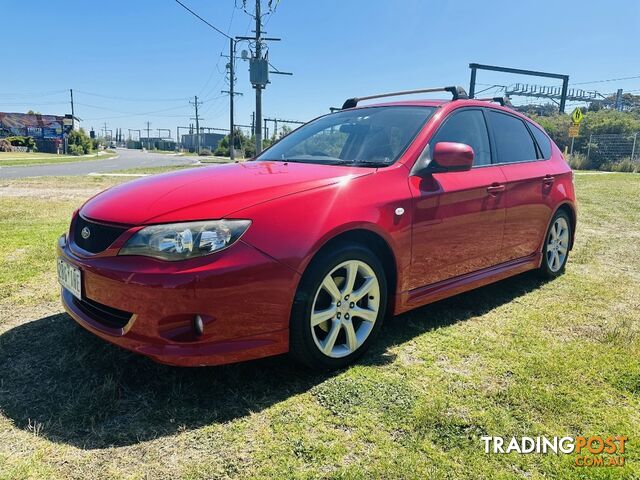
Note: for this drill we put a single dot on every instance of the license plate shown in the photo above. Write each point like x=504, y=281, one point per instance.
x=70, y=278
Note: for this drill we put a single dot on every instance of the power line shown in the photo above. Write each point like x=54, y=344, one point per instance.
x=607, y=80
x=215, y=67
x=202, y=19
x=34, y=94
x=26, y=102
x=132, y=99
x=132, y=114
x=490, y=87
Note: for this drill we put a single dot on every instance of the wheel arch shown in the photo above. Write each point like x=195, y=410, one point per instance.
x=570, y=210
x=377, y=244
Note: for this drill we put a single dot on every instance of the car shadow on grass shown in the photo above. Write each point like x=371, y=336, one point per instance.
x=67, y=385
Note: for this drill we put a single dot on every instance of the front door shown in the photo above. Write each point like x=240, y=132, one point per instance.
x=458, y=217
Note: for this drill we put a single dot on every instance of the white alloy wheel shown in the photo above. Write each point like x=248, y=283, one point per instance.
x=345, y=308
x=557, y=244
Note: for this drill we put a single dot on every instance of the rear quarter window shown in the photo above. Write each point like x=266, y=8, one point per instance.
x=543, y=141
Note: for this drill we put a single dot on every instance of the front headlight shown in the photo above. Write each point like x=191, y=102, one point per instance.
x=179, y=241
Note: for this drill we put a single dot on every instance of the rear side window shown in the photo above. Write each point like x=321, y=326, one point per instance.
x=467, y=126
x=513, y=140
x=543, y=141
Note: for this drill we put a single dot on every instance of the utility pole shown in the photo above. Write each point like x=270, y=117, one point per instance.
x=259, y=71
x=619, y=100
x=197, y=119
x=258, y=65
x=148, y=135
x=232, y=93
x=105, y=130
x=232, y=61
x=73, y=114
x=257, y=86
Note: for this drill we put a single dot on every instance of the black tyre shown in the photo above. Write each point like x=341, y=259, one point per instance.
x=555, y=250
x=339, y=307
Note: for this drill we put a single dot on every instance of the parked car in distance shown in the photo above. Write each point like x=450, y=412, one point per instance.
x=372, y=210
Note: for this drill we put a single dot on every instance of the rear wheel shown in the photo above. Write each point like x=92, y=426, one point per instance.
x=555, y=251
x=339, y=307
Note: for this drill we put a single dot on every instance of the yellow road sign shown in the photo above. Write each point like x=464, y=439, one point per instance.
x=574, y=130
x=577, y=116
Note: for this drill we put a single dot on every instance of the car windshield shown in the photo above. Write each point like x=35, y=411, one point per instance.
x=373, y=136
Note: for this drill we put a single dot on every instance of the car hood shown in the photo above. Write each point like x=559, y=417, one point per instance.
x=209, y=192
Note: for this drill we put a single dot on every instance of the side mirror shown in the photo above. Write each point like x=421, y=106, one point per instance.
x=452, y=157
x=446, y=157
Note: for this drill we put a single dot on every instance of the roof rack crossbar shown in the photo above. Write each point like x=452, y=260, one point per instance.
x=503, y=101
x=456, y=92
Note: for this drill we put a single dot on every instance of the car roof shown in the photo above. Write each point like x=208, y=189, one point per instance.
x=453, y=103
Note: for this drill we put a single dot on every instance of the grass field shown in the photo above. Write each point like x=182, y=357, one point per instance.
x=521, y=357
x=19, y=159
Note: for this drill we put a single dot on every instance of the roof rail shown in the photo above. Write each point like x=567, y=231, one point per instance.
x=503, y=101
x=456, y=92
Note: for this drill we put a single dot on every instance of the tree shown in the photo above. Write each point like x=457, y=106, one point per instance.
x=284, y=131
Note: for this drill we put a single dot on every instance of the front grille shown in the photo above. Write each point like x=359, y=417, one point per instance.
x=111, y=317
x=100, y=237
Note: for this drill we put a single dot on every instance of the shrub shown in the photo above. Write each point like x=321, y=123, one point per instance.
x=75, y=149
x=204, y=152
x=250, y=149
x=626, y=165
x=78, y=141
x=221, y=151
x=22, y=141
x=578, y=161
x=4, y=146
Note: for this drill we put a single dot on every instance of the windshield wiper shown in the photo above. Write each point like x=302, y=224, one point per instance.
x=331, y=161
x=364, y=163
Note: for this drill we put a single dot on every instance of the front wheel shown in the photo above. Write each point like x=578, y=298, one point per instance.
x=555, y=251
x=339, y=307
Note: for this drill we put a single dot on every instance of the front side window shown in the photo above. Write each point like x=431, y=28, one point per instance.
x=513, y=141
x=469, y=127
x=373, y=136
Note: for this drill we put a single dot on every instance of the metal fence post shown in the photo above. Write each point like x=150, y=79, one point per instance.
x=589, y=146
x=633, y=149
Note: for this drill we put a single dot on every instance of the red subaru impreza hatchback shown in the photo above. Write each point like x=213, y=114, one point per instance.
x=368, y=211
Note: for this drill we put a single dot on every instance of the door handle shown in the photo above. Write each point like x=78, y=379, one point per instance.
x=548, y=180
x=495, y=189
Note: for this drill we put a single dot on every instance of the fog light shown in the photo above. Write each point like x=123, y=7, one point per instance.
x=198, y=325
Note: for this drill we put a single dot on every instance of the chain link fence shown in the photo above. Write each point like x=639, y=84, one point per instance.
x=613, y=148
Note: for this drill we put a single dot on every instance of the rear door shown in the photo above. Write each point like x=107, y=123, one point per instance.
x=458, y=217
x=528, y=184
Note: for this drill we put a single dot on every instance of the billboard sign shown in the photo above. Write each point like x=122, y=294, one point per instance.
x=33, y=125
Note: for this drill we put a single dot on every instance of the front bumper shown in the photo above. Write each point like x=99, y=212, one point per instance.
x=243, y=296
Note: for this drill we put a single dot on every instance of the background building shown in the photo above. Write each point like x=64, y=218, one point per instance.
x=207, y=140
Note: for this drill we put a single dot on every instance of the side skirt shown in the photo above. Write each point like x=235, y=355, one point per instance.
x=446, y=288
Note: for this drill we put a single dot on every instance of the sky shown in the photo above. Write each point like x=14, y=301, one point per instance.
x=135, y=61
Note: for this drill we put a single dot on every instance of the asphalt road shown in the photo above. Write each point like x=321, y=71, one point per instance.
x=125, y=159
